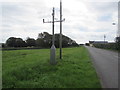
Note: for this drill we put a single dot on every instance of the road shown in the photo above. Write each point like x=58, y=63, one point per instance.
x=106, y=65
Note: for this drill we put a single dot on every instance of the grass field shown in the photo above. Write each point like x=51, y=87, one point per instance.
x=31, y=69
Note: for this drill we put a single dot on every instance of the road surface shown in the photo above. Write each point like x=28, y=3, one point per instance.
x=106, y=65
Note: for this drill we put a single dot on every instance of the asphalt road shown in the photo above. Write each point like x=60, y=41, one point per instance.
x=106, y=65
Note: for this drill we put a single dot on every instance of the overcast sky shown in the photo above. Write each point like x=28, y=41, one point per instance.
x=84, y=21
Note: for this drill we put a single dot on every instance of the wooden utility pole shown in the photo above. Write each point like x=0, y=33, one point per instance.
x=60, y=29
x=60, y=44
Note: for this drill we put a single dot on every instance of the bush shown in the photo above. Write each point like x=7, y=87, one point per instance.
x=112, y=46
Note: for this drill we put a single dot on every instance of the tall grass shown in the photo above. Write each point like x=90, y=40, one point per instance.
x=31, y=69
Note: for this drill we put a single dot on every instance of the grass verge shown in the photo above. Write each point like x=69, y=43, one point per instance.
x=31, y=69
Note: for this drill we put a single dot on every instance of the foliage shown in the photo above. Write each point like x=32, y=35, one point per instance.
x=44, y=40
x=15, y=42
x=10, y=42
x=40, y=42
x=112, y=46
x=47, y=40
x=30, y=42
x=3, y=45
x=87, y=44
x=31, y=69
x=117, y=39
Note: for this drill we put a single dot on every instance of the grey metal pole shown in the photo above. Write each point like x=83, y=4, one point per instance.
x=53, y=49
x=60, y=29
x=104, y=39
x=118, y=19
x=53, y=38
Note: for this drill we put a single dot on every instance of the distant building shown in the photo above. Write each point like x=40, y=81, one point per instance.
x=97, y=42
x=101, y=42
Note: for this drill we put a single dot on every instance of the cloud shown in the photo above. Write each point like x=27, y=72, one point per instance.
x=105, y=18
x=84, y=20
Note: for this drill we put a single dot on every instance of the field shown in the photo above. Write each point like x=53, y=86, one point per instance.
x=31, y=69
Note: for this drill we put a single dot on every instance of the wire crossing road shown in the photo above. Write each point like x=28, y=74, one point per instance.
x=106, y=65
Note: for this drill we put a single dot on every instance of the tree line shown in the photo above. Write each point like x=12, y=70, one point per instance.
x=44, y=40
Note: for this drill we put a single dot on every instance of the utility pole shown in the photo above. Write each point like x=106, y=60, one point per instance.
x=60, y=29
x=53, y=39
x=60, y=44
x=104, y=38
x=119, y=19
x=53, y=49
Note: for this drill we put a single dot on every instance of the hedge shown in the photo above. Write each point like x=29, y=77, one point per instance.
x=112, y=46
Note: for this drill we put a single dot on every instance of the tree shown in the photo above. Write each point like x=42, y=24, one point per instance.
x=19, y=42
x=44, y=40
x=30, y=42
x=87, y=44
x=40, y=42
x=3, y=45
x=40, y=35
x=15, y=42
x=47, y=39
x=57, y=40
x=117, y=39
x=11, y=42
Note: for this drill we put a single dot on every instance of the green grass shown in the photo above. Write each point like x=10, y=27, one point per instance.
x=31, y=69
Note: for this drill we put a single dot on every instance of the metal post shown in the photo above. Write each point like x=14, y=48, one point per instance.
x=104, y=39
x=118, y=19
x=118, y=41
x=53, y=38
x=60, y=29
x=53, y=49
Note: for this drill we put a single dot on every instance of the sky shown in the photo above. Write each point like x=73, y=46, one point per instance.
x=84, y=21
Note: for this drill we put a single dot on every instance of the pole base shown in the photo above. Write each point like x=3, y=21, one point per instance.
x=53, y=55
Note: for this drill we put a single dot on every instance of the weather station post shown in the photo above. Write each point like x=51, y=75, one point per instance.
x=53, y=49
